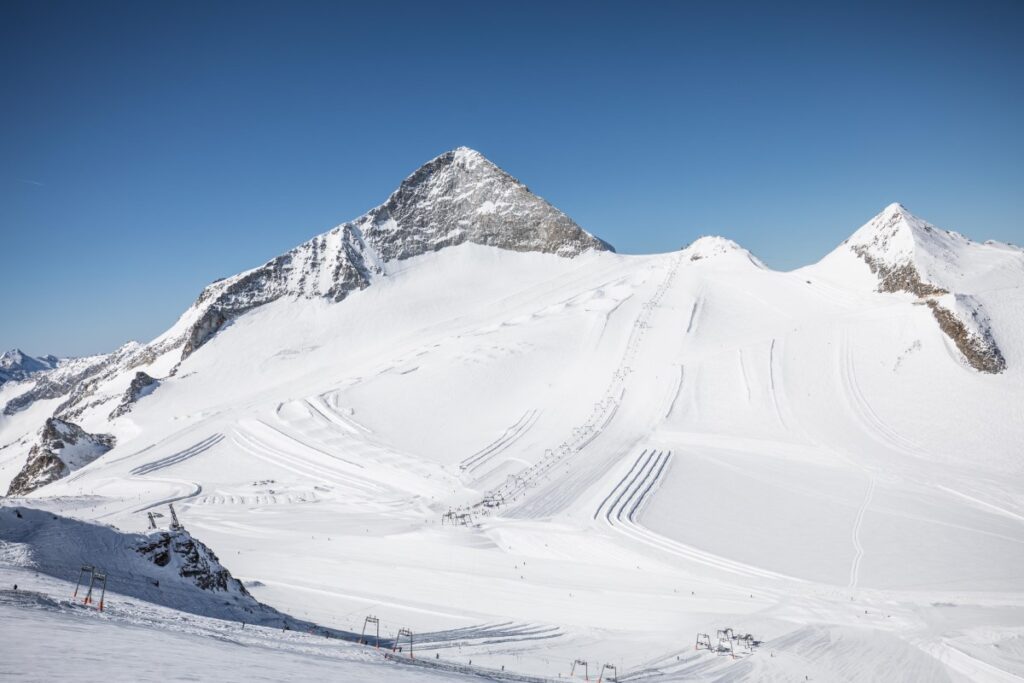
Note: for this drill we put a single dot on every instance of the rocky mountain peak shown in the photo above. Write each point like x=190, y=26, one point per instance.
x=460, y=196
x=896, y=234
x=455, y=198
x=908, y=254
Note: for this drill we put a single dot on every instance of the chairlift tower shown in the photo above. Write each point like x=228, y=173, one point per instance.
x=175, y=524
x=85, y=568
x=582, y=663
x=398, y=640
x=101, y=579
x=376, y=622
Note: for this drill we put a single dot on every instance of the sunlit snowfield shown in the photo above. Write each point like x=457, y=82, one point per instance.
x=673, y=444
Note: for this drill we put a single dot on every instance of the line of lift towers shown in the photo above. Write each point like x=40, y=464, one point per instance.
x=94, y=580
x=371, y=629
x=727, y=642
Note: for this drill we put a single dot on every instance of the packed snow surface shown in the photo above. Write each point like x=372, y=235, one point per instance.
x=601, y=456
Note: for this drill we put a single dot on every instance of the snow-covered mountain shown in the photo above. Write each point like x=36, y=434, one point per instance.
x=62, y=448
x=461, y=409
x=945, y=270
x=16, y=365
x=455, y=198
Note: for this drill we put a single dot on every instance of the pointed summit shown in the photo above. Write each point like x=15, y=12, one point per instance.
x=460, y=196
x=907, y=253
x=898, y=252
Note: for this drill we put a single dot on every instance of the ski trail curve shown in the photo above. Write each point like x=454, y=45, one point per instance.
x=858, y=547
x=619, y=508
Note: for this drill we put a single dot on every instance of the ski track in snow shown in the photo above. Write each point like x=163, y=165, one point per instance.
x=179, y=457
x=858, y=554
x=678, y=392
x=554, y=496
x=502, y=443
x=771, y=384
x=196, y=491
x=381, y=500
x=743, y=373
x=619, y=508
x=254, y=446
x=862, y=410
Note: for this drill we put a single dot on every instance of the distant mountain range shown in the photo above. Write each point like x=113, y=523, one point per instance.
x=16, y=365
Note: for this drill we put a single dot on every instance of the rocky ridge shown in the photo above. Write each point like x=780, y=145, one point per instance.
x=455, y=198
x=62, y=448
x=908, y=254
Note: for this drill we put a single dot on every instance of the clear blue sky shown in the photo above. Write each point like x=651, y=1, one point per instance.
x=147, y=148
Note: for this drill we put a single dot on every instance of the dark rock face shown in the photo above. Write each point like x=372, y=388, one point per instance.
x=897, y=278
x=193, y=560
x=898, y=247
x=462, y=197
x=62, y=448
x=456, y=198
x=141, y=386
x=979, y=350
x=337, y=254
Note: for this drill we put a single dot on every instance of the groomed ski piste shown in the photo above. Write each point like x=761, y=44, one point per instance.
x=531, y=462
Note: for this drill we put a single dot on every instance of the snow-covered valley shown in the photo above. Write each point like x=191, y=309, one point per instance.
x=529, y=450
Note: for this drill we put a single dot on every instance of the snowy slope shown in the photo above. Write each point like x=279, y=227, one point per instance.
x=608, y=453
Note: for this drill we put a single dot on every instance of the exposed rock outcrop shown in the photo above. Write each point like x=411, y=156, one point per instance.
x=455, y=198
x=901, y=277
x=977, y=345
x=191, y=559
x=142, y=385
x=908, y=254
x=62, y=448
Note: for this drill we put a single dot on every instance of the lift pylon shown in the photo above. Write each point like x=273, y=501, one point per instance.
x=175, y=525
x=582, y=663
x=398, y=640
x=88, y=594
x=367, y=621
x=101, y=579
x=85, y=568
